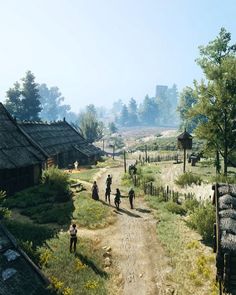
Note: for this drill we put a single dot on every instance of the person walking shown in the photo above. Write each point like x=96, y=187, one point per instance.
x=109, y=181
x=108, y=194
x=73, y=237
x=76, y=165
x=131, y=198
x=117, y=199
x=95, y=195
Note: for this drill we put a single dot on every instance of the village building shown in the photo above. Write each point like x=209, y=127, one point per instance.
x=21, y=159
x=63, y=143
x=19, y=275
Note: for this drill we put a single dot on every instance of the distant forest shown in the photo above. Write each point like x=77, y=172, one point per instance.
x=31, y=101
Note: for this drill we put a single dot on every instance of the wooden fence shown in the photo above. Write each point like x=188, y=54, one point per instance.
x=160, y=191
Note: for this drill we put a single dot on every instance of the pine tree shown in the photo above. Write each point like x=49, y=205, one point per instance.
x=31, y=98
x=13, y=102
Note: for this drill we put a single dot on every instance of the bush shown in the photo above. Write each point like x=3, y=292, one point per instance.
x=4, y=212
x=224, y=179
x=191, y=204
x=175, y=208
x=202, y=220
x=58, y=181
x=188, y=178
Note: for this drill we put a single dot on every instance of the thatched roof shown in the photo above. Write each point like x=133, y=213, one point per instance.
x=19, y=275
x=58, y=137
x=16, y=148
x=226, y=194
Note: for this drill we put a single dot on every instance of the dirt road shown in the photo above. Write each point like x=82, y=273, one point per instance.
x=138, y=260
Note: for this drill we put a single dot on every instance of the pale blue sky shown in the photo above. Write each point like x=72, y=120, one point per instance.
x=98, y=51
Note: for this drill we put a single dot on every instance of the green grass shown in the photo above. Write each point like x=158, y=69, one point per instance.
x=90, y=213
x=188, y=178
x=81, y=273
x=193, y=266
x=108, y=162
x=41, y=204
x=86, y=175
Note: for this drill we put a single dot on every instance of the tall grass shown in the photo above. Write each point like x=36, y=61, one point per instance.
x=90, y=213
x=188, y=178
x=78, y=274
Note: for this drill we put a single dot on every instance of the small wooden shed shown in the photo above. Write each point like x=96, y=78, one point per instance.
x=184, y=141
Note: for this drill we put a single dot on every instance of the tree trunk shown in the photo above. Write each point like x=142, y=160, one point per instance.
x=217, y=163
x=225, y=144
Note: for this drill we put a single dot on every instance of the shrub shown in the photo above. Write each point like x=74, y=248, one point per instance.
x=4, y=212
x=59, y=181
x=126, y=179
x=188, y=178
x=202, y=220
x=191, y=204
x=224, y=179
x=175, y=208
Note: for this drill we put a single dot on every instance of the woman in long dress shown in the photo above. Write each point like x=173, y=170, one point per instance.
x=95, y=195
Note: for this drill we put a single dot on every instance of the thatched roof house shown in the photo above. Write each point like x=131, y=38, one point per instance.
x=61, y=142
x=19, y=275
x=20, y=158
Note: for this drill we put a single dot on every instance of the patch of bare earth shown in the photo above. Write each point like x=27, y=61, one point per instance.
x=138, y=262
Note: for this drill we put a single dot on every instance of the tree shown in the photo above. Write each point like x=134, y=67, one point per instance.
x=149, y=111
x=133, y=117
x=216, y=97
x=124, y=116
x=31, y=98
x=51, y=102
x=90, y=127
x=188, y=99
x=112, y=127
x=13, y=102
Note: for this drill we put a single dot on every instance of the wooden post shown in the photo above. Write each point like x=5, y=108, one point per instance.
x=113, y=152
x=184, y=159
x=124, y=161
x=146, y=158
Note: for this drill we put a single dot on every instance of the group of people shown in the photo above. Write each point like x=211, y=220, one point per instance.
x=117, y=199
x=95, y=196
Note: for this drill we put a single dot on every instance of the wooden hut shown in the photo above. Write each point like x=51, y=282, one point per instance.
x=61, y=142
x=225, y=237
x=20, y=159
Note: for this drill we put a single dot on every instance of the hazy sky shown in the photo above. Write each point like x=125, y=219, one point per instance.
x=98, y=51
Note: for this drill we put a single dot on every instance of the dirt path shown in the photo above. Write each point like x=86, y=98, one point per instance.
x=137, y=257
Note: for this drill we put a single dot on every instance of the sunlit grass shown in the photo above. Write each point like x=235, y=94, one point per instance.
x=90, y=213
x=74, y=274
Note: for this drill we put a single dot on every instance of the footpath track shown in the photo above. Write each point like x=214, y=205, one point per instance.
x=137, y=256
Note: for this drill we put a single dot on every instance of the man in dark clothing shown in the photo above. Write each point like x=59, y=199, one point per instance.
x=73, y=237
x=131, y=198
x=108, y=194
x=109, y=181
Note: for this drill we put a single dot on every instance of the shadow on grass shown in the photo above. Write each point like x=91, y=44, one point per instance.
x=85, y=260
x=143, y=210
x=29, y=232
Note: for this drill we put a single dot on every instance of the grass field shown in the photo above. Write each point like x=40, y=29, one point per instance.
x=193, y=264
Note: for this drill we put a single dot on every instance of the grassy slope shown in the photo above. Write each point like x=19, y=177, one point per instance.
x=81, y=273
